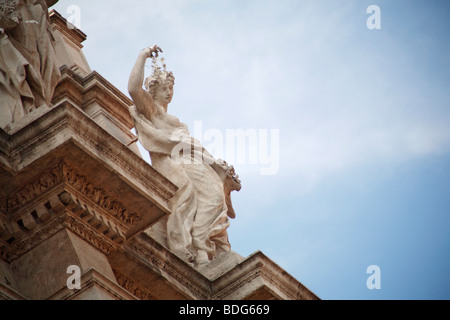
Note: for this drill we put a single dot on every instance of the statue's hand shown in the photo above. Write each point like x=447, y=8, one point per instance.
x=232, y=182
x=229, y=177
x=222, y=164
x=152, y=52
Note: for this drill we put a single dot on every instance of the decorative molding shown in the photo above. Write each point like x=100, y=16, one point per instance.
x=93, y=87
x=254, y=273
x=151, y=257
x=293, y=292
x=60, y=23
x=63, y=172
x=276, y=281
x=134, y=288
x=236, y=285
x=8, y=293
x=89, y=235
x=31, y=190
x=162, y=187
x=17, y=249
x=92, y=278
x=70, y=122
x=34, y=212
x=259, y=267
x=98, y=196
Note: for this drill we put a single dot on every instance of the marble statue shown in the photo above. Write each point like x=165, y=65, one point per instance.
x=28, y=69
x=196, y=229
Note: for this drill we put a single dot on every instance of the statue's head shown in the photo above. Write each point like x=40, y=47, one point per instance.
x=160, y=84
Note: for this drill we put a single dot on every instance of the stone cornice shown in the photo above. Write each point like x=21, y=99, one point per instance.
x=58, y=213
x=252, y=276
x=75, y=35
x=25, y=194
x=98, y=196
x=144, y=249
x=64, y=124
x=59, y=198
x=64, y=163
x=93, y=278
x=267, y=274
x=85, y=90
x=134, y=287
x=6, y=293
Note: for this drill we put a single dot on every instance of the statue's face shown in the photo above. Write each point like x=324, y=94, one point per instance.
x=164, y=93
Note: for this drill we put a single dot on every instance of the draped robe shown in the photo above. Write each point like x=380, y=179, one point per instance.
x=199, y=212
x=28, y=69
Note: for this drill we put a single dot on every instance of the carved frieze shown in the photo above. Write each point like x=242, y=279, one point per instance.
x=31, y=190
x=133, y=287
x=38, y=209
x=98, y=196
x=89, y=235
x=63, y=172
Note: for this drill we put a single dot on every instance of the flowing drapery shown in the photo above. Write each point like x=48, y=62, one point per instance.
x=28, y=68
x=198, y=221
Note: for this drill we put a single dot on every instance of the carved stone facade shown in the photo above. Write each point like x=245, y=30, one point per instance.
x=75, y=192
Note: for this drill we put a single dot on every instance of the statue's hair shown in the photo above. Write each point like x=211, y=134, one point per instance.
x=159, y=77
x=8, y=10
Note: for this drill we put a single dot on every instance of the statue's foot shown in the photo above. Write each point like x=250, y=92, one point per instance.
x=202, y=257
x=185, y=255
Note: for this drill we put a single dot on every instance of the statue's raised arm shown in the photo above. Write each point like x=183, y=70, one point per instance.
x=142, y=99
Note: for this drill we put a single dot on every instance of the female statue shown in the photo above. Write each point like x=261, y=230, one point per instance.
x=196, y=228
x=28, y=69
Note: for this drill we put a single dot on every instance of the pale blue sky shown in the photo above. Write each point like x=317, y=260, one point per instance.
x=364, y=120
